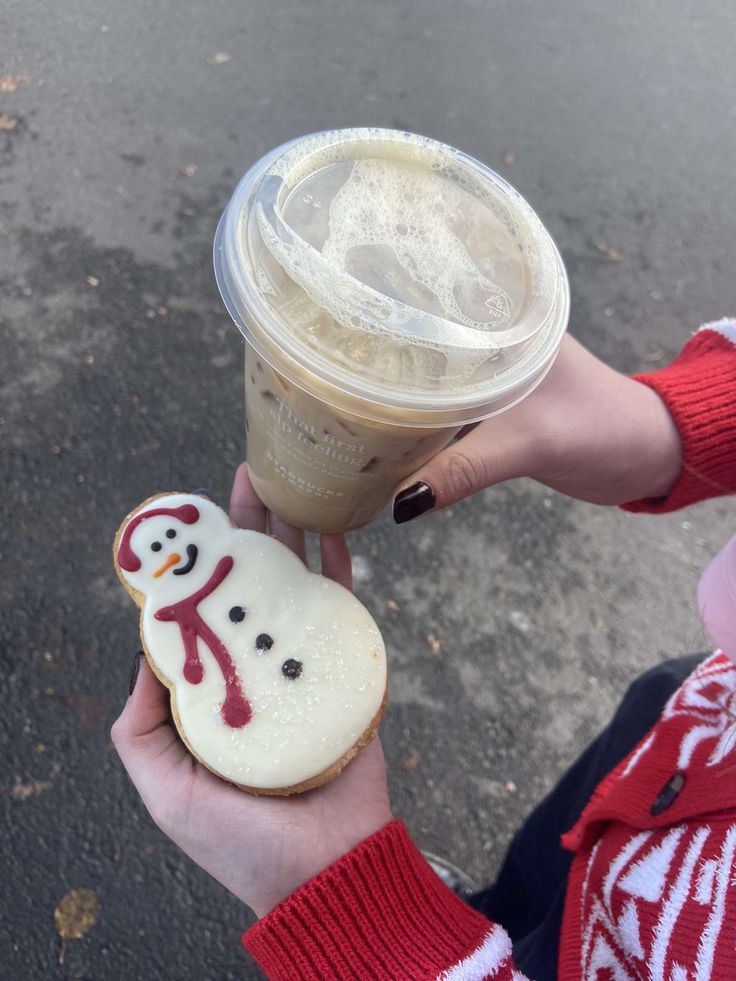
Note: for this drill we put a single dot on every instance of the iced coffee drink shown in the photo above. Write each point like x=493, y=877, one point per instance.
x=390, y=290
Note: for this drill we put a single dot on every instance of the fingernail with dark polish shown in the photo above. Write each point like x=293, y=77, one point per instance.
x=413, y=501
x=134, y=668
x=202, y=492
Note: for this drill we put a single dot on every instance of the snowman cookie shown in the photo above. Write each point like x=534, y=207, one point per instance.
x=277, y=675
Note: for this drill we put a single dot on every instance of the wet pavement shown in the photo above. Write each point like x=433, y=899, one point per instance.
x=515, y=622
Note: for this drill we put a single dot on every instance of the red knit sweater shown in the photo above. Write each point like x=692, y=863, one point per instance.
x=649, y=896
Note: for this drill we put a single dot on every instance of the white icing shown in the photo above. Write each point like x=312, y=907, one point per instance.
x=299, y=727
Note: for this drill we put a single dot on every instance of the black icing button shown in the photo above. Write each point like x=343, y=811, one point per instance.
x=668, y=794
x=291, y=668
x=264, y=642
x=237, y=614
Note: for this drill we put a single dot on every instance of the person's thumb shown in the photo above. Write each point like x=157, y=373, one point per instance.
x=143, y=735
x=486, y=455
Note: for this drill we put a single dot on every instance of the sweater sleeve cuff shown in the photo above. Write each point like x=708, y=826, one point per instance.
x=378, y=912
x=699, y=389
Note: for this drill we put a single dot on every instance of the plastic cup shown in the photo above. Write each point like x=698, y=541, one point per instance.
x=390, y=290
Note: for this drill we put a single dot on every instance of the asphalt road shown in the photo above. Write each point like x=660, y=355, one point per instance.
x=121, y=375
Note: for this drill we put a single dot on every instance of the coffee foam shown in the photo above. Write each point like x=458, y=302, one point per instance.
x=397, y=255
x=390, y=226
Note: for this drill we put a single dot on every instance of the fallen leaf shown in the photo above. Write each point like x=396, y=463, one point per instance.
x=511, y=786
x=7, y=122
x=435, y=644
x=9, y=83
x=653, y=355
x=90, y=710
x=219, y=58
x=91, y=281
x=393, y=605
x=613, y=254
x=410, y=760
x=22, y=791
x=75, y=915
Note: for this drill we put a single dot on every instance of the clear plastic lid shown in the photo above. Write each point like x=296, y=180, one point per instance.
x=385, y=268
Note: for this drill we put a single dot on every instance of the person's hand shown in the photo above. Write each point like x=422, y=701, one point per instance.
x=260, y=848
x=587, y=431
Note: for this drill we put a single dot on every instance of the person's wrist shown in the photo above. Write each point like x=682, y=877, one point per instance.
x=316, y=858
x=659, y=445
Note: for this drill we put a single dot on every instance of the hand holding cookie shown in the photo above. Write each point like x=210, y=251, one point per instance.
x=277, y=675
x=260, y=849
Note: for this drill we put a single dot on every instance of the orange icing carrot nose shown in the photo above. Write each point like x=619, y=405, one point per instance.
x=172, y=560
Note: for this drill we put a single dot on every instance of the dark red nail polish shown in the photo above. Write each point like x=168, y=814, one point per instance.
x=413, y=501
x=134, y=668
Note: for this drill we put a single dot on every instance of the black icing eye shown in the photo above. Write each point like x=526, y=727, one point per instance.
x=156, y=547
x=291, y=668
x=264, y=642
x=237, y=614
x=171, y=533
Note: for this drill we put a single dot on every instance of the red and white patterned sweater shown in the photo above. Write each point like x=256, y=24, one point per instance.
x=648, y=896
